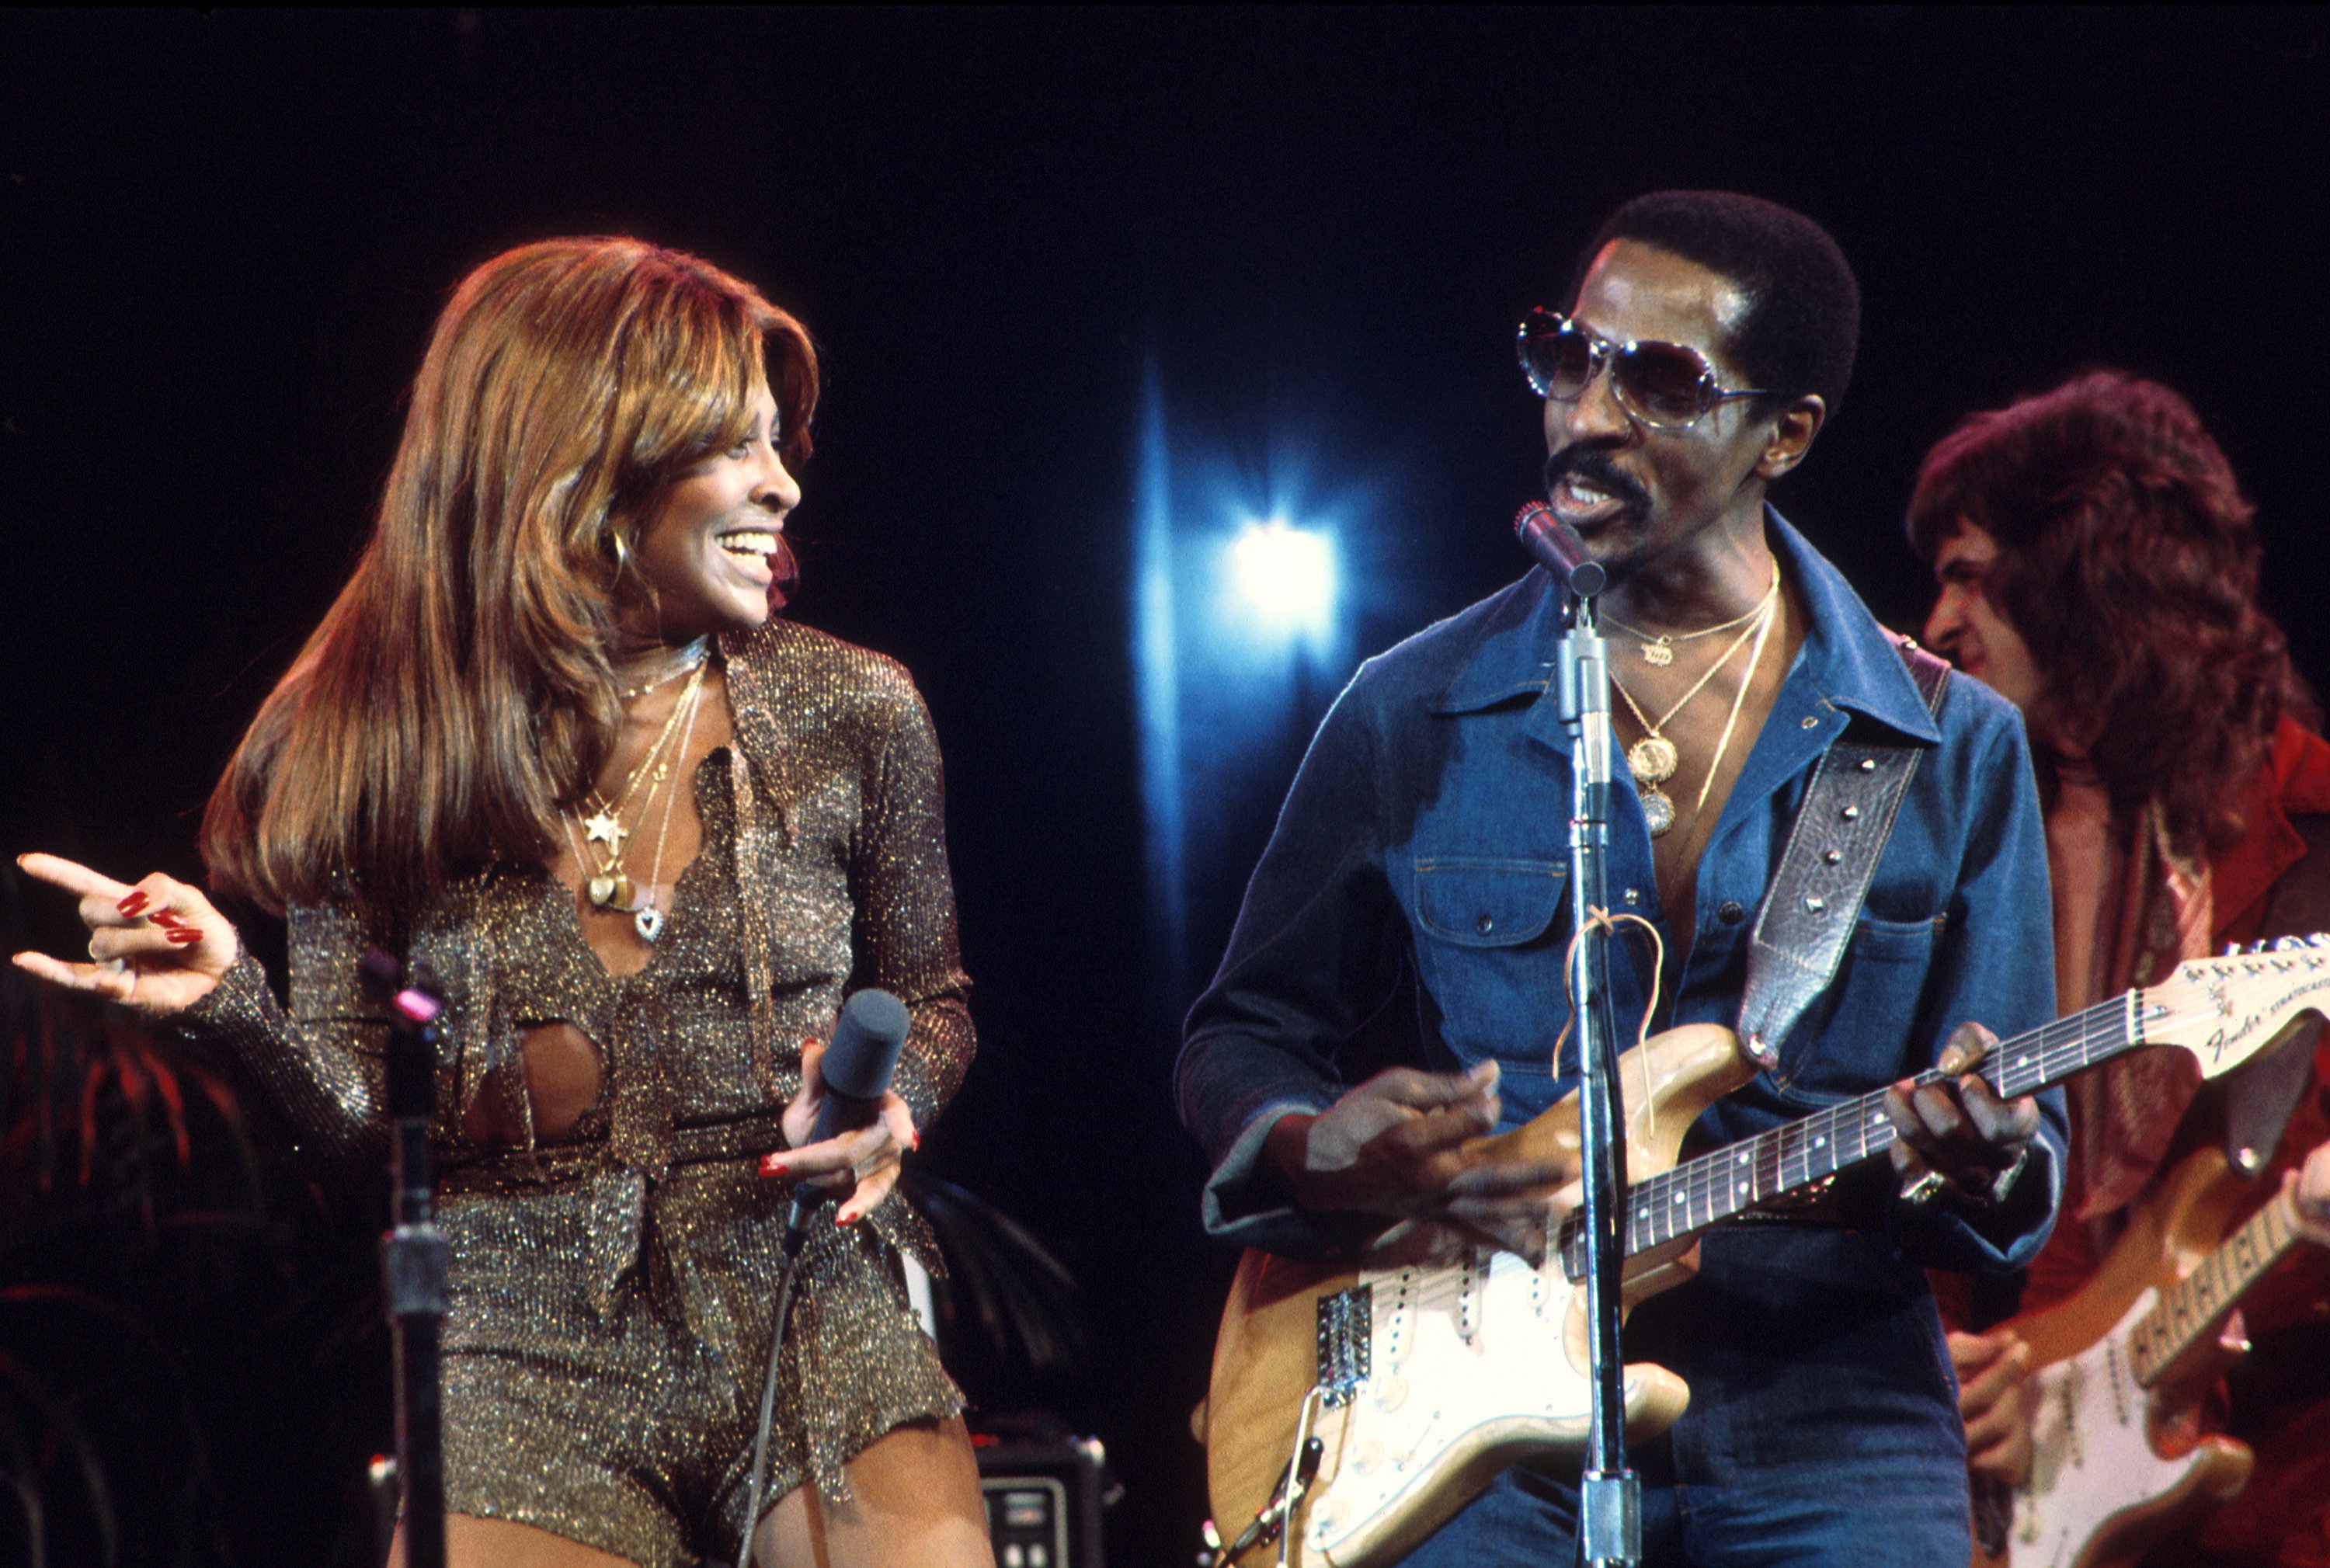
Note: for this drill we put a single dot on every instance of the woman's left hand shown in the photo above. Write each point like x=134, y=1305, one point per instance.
x=870, y=1155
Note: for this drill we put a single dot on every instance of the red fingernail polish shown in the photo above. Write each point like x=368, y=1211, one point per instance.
x=132, y=904
x=166, y=920
x=771, y=1165
x=185, y=938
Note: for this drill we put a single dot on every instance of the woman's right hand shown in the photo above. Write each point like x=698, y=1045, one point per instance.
x=157, y=948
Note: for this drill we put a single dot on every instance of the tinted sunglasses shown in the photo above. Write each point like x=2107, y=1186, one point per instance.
x=1666, y=385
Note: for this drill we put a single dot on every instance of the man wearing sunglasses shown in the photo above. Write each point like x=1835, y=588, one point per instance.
x=1410, y=906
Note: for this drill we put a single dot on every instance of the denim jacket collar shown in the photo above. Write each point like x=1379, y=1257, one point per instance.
x=1847, y=662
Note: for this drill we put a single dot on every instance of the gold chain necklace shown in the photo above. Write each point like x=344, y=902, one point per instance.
x=609, y=885
x=1658, y=647
x=691, y=657
x=1652, y=760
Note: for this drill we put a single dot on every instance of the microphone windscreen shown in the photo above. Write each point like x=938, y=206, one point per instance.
x=864, y=1051
x=1557, y=547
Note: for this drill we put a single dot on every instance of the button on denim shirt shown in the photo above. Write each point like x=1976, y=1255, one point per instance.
x=1427, y=832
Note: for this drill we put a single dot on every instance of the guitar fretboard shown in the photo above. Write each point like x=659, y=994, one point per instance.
x=1758, y=1170
x=2190, y=1307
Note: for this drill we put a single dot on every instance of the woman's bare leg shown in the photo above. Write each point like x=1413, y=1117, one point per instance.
x=473, y=1543
x=917, y=1503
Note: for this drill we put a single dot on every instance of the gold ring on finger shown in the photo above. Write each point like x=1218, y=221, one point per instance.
x=94, y=956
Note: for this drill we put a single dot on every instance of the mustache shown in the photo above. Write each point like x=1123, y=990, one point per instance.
x=1594, y=466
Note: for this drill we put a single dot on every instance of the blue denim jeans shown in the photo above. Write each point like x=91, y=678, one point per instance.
x=1890, y=1516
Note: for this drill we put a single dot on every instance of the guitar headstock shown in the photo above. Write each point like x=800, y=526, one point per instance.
x=2228, y=1008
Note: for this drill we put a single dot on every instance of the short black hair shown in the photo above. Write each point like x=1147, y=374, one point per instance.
x=1804, y=305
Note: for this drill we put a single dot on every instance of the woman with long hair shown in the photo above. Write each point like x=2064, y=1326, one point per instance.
x=553, y=742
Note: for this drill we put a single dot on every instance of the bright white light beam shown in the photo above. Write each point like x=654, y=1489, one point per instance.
x=1288, y=574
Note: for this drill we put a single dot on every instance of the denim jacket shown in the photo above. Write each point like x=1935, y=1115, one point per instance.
x=1425, y=837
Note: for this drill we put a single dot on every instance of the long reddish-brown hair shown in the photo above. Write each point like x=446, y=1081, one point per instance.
x=2128, y=564
x=459, y=692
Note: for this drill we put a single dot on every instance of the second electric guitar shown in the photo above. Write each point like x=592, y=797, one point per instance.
x=2128, y=1358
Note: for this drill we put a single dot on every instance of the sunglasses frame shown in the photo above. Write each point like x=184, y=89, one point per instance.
x=1541, y=323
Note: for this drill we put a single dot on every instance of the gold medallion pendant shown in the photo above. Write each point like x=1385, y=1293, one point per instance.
x=1652, y=760
x=1658, y=811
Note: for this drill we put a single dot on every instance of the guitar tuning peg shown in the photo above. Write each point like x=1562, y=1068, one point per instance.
x=2318, y=940
x=2232, y=950
x=2288, y=944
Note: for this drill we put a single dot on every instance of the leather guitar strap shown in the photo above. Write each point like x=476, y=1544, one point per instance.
x=1810, y=909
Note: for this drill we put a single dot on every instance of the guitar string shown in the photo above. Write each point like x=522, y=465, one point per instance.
x=2040, y=1056
x=2189, y=1305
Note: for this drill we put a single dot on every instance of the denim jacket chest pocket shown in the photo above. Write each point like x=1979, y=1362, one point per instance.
x=1853, y=1035
x=1490, y=956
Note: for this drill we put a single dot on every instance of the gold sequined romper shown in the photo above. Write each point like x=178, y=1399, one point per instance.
x=611, y=1294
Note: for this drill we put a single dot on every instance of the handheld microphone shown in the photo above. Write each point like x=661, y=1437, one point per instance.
x=855, y=1070
x=1555, y=545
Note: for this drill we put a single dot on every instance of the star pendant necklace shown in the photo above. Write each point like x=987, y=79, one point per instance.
x=607, y=884
x=1652, y=760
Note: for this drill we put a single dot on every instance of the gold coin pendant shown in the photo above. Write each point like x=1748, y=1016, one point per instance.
x=1657, y=809
x=1652, y=760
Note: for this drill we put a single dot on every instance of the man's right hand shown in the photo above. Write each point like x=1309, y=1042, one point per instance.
x=1996, y=1400
x=1395, y=1147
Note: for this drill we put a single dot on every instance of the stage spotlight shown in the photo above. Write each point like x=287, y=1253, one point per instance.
x=1287, y=573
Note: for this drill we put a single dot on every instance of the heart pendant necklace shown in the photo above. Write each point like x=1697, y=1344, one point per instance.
x=607, y=884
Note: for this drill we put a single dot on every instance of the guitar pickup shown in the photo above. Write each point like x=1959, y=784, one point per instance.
x=1346, y=1344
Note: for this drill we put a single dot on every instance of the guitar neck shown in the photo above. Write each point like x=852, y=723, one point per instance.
x=2189, y=1309
x=1713, y=1188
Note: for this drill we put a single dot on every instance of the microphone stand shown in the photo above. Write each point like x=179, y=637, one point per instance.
x=412, y=1255
x=1610, y=1496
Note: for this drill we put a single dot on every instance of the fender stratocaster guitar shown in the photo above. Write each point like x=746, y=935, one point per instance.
x=2130, y=1358
x=1423, y=1378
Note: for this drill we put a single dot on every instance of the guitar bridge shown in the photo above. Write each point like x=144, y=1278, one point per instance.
x=1346, y=1354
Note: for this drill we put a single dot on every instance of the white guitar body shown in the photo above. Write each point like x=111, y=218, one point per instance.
x=1467, y=1368
x=2095, y=1474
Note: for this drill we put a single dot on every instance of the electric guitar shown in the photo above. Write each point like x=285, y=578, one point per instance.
x=2127, y=1358
x=1420, y=1378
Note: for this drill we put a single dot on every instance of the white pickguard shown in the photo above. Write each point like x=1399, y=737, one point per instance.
x=1472, y=1351
x=2092, y=1451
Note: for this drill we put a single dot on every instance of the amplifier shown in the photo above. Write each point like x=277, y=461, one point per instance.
x=1044, y=1500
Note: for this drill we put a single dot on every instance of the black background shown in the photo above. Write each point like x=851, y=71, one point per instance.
x=222, y=239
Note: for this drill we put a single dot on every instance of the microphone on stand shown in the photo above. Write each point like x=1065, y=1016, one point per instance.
x=855, y=1070
x=1555, y=545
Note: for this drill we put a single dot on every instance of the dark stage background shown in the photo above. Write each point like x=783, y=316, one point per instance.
x=222, y=239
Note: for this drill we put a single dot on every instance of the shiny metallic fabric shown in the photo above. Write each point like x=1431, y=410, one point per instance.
x=610, y=1293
